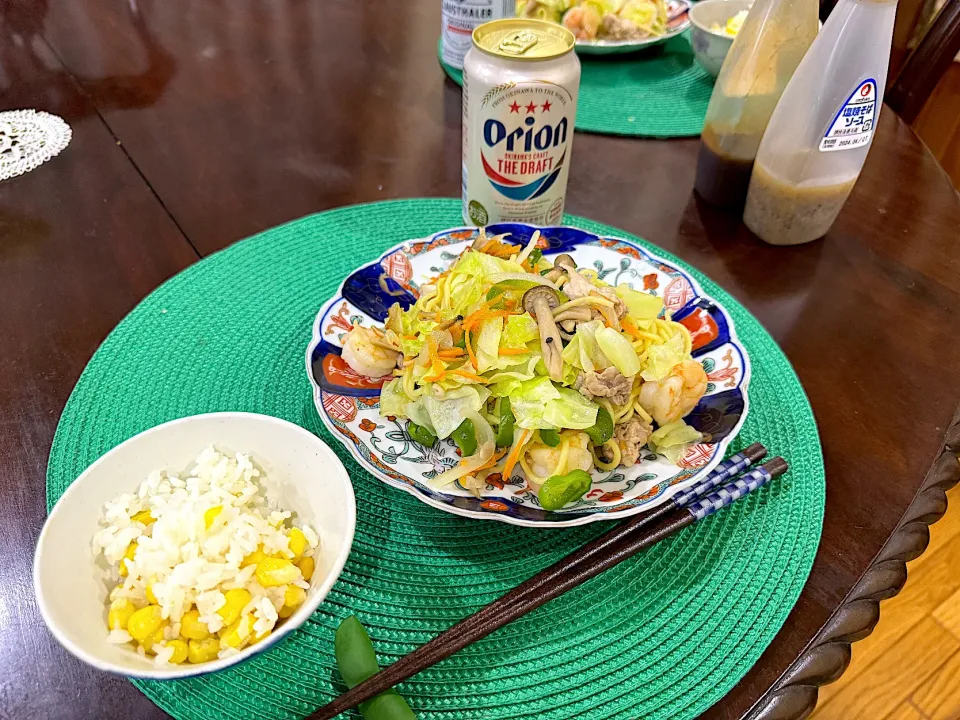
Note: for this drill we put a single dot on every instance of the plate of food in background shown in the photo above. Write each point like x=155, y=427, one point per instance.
x=604, y=27
x=533, y=375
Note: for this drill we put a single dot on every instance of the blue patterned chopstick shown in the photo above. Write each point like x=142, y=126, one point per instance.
x=729, y=493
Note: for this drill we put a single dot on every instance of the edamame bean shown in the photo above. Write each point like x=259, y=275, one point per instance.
x=420, y=434
x=602, y=429
x=465, y=436
x=353, y=650
x=561, y=490
x=357, y=662
x=387, y=706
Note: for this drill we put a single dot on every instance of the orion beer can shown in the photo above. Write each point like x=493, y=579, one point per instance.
x=460, y=18
x=520, y=83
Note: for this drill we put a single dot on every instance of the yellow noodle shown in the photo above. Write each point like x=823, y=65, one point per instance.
x=638, y=408
x=603, y=465
x=588, y=272
x=589, y=300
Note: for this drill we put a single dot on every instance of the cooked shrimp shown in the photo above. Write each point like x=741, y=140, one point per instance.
x=546, y=461
x=369, y=353
x=677, y=394
x=583, y=22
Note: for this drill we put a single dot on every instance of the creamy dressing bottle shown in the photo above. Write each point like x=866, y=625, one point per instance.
x=820, y=133
x=763, y=57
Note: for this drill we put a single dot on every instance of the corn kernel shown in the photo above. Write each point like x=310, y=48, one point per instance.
x=180, y=650
x=144, y=622
x=192, y=628
x=119, y=615
x=236, y=601
x=298, y=543
x=143, y=516
x=257, y=638
x=307, y=566
x=253, y=558
x=273, y=572
x=152, y=639
x=293, y=598
x=149, y=591
x=128, y=555
x=211, y=515
x=237, y=635
x=201, y=651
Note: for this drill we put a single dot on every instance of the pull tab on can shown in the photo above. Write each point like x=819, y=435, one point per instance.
x=518, y=43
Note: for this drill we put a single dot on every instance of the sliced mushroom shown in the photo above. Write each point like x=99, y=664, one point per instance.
x=578, y=314
x=480, y=240
x=540, y=302
x=560, y=264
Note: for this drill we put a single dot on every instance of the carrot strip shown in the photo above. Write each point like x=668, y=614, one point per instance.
x=486, y=315
x=492, y=461
x=451, y=353
x=513, y=351
x=484, y=307
x=515, y=451
x=439, y=372
x=636, y=332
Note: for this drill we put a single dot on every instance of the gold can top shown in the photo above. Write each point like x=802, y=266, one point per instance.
x=523, y=39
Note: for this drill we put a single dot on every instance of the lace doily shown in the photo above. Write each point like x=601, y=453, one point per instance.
x=29, y=138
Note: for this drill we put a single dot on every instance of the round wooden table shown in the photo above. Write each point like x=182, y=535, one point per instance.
x=198, y=124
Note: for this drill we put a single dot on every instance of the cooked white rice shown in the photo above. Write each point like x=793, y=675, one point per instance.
x=187, y=563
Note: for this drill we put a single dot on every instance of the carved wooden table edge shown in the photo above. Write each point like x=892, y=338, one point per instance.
x=823, y=660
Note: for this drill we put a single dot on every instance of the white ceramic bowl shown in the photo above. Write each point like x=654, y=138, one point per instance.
x=709, y=47
x=304, y=476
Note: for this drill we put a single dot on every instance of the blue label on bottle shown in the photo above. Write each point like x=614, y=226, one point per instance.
x=852, y=126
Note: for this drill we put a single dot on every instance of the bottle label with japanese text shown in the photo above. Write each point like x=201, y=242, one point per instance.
x=852, y=127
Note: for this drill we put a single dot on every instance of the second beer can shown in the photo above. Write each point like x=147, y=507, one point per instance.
x=520, y=83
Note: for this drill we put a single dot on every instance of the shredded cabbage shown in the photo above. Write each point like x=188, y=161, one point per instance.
x=570, y=410
x=673, y=439
x=393, y=400
x=621, y=353
x=640, y=305
x=447, y=413
x=539, y=404
x=661, y=359
x=583, y=351
x=488, y=344
x=519, y=330
x=483, y=265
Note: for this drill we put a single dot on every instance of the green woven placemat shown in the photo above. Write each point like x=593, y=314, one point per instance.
x=659, y=92
x=663, y=635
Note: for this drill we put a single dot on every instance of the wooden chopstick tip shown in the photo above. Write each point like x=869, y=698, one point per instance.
x=755, y=452
x=776, y=466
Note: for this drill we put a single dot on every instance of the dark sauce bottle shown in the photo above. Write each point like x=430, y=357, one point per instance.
x=722, y=178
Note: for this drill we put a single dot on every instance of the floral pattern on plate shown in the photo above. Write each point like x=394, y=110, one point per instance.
x=348, y=403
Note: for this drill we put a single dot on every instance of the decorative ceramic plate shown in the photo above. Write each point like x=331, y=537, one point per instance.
x=678, y=20
x=349, y=403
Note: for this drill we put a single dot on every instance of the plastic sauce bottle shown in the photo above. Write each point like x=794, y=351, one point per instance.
x=763, y=57
x=820, y=133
